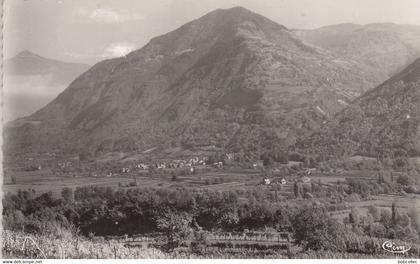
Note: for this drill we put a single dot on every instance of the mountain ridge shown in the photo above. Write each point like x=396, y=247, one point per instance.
x=388, y=47
x=221, y=79
x=384, y=122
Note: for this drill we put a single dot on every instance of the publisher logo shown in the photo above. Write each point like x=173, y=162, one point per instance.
x=394, y=248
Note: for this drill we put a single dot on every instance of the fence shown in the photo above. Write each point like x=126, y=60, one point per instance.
x=246, y=237
x=251, y=236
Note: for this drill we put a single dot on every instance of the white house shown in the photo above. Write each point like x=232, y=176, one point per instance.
x=283, y=181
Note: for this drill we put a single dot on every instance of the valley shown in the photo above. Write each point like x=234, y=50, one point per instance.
x=230, y=128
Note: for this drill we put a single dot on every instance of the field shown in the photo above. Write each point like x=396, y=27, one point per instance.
x=205, y=177
x=227, y=178
x=218, y=179
x=404, y=204
x=45, y=180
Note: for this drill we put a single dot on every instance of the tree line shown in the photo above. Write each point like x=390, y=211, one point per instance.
x=177, y=214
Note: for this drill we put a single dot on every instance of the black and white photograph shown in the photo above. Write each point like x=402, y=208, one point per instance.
x=210, y=130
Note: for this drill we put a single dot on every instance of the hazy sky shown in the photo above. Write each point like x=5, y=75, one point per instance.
x=92, y=30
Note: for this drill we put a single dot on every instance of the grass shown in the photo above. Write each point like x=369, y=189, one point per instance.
x=65, y=245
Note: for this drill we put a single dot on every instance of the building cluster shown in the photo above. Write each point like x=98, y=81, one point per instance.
x=268, y=181
x=65, y=164
x=174, y=164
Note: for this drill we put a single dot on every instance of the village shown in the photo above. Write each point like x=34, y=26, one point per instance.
x=188, y=166
x=52, y=172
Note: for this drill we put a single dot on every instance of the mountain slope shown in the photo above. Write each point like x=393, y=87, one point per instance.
x=383, y=122
x=31, y=81
x=386, y=47
x=220, y=79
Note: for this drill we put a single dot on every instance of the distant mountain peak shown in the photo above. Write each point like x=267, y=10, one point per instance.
x=238, y=14
x=26, y=54
x=235, y=9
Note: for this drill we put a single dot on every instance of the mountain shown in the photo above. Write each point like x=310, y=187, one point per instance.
x=31, y=81
x=29, y=63
x=386, y=47
x=231, y=78
x=383, y=122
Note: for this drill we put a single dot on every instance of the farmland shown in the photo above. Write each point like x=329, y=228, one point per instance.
x=119, y=199
x=212, y=178
x=229, y=177
x=52, y=172
x=82, y=174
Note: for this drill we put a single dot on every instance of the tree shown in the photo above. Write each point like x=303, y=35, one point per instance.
x=374, y=212
x=15, y=220
x=354, y=216
x=228, y=220
x=176, y=228
x=394, y=214
x=380, y=178
x=86, y=155
x=315, y=229
x=282, y=218
x=414, y=214
x=297, y=189
x=267, y=160
x=283, y=158
x=386, y=218
x=67, y=194
x=377, y=230
x=403, y=180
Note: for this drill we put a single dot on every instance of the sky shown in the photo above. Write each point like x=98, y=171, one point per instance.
x=89, y=31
